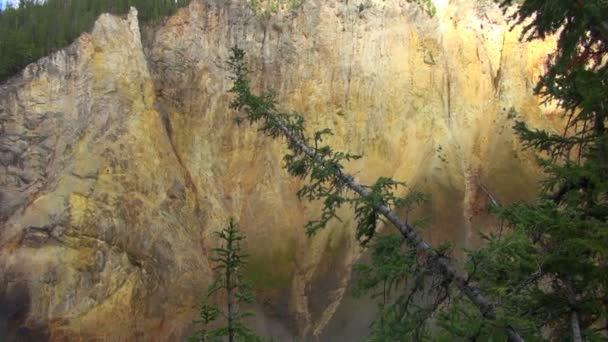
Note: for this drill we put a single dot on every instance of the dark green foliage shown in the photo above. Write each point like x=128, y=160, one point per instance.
x=429, y=271
x=321, y=171
x=207, y=315
x=548, y=267
x=34, y=30
x=229, y=262
x=407, y=291
x=315, y=161
x=506, y=269
x=381, y=192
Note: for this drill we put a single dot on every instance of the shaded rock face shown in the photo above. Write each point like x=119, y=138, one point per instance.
x=99, y=220
x=118, y=160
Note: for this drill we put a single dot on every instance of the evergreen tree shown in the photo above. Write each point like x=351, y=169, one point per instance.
x=308, y=158
x=549, y=268
x=35, y=28
x=229, y=281
x=544, y=276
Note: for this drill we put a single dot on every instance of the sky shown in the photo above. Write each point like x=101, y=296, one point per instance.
x=4, y=3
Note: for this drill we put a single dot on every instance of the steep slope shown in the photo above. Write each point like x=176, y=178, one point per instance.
x=118, y=165
x=99, y=221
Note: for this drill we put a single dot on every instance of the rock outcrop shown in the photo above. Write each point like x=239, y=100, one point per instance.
x=118, y=159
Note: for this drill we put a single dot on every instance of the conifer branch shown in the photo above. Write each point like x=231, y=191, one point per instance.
x=323, y=166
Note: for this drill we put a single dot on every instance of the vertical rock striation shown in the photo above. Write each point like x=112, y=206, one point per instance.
x=116, y=164
x=100, y=232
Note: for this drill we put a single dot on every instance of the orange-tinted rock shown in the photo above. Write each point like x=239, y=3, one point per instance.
x=117, y=165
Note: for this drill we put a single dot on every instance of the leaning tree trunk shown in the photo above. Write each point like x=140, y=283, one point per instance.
x=263, y=108
x=447, y=270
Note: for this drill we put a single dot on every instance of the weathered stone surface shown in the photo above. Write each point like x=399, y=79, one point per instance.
x=116, y=166
x=100, y=229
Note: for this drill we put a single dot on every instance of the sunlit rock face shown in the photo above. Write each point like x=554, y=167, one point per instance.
x=100, y=229
x=119, y=161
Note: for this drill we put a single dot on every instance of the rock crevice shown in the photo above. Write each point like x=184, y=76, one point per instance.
x=117, y=164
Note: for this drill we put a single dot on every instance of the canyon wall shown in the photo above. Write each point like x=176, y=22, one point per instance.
x=119, y=158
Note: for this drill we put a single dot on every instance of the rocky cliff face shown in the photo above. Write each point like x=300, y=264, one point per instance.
x=119, y=159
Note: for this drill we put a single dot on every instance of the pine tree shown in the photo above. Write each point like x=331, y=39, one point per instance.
x=230, y=260
x=549, y=267
x=308, y=158
x=35, y=28
x=544, y=276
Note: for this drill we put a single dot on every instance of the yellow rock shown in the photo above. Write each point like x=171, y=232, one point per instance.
x=123, y=160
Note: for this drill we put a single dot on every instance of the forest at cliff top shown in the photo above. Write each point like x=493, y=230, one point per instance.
x=84, y=218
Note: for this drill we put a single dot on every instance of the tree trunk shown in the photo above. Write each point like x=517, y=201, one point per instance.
x=229, y=288
x=602, y=141
x=442, y=263
x=576, y=328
